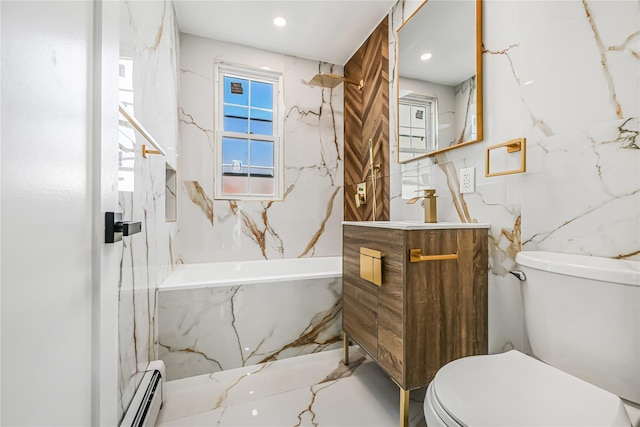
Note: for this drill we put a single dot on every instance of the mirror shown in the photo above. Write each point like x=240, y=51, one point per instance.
x=439, y=89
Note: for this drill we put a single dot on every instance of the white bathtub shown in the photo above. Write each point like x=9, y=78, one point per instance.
x=219, y=316
x=191, y=276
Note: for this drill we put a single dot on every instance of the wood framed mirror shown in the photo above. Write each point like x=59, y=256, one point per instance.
x=439, y=88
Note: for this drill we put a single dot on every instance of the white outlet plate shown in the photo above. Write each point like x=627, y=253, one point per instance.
x=467, y=180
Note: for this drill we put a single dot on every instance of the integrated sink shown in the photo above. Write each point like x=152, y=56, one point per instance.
x=416, y=225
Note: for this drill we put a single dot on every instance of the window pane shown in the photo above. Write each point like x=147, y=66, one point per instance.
x=235, y=155
x=262, y=185
x=405, y=141
x=236, y=91
x=260, y=127
x=261, y=114
x=233, y=111
x=404, y=115
x=261, y=122
x=235, y=184
x=419, y=142
x=236, y=125
x=417, y=116
x=262, y=95
x=261, y=153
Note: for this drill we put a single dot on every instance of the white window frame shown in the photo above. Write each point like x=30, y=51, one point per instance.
x=222, y=69
x=430, y=104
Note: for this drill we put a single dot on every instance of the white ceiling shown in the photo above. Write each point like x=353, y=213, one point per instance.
x=447, y=30
x=328, y=30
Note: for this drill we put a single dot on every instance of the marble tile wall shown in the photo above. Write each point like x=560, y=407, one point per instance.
x=213, y=329
x=566, y=76
x=149, y=36
x=307, y=222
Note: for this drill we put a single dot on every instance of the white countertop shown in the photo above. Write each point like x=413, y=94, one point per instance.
x=416, y=225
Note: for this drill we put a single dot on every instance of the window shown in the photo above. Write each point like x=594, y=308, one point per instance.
x=417, y=125
x=248, y=127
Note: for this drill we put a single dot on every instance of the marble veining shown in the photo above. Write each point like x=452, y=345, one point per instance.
x=200, y=198
x=564, y=75
x=603, y=60
x=316, y=390
x=149, y=37
x=306, y=222
x=224, y=327
x=596, y=189
x=453, y=184
x=626, y=135
x=465, y=94
x=260, y=231
x=188, y=120
x=539, y=123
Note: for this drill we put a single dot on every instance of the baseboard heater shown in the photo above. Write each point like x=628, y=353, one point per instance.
x=148, y=399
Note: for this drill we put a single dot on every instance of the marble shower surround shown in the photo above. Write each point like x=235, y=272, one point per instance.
x=149, y=35
x=307, y=222
x=565, y=75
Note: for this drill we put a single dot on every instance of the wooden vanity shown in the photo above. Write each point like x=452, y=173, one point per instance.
x=430, y=306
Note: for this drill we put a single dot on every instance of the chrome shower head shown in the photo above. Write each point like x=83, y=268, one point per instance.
x=330, y=81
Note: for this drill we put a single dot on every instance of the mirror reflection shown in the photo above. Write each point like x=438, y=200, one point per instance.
x=440, y=81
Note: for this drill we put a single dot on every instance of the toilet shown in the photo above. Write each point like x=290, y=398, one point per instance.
x=582, y=316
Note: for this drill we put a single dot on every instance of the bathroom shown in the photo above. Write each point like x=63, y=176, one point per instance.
x=563, y=75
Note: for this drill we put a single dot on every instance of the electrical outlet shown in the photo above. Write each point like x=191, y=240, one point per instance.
x=468, y=180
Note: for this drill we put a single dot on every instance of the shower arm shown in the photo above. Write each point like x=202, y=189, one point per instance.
x=360, y=83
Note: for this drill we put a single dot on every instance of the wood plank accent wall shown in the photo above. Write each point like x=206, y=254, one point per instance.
x=366, y=116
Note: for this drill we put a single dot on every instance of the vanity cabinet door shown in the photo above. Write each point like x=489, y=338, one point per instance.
x=447, y=301
x=390, y=308
x=359, y=315
x=359, y=297
x=373, y=315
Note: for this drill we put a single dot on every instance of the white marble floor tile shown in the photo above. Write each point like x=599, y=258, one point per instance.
x=307, y=390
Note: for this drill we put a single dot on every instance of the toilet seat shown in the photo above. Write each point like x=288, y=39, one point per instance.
x=512, y=389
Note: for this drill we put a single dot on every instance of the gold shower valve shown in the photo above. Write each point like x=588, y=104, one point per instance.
x=361, y=194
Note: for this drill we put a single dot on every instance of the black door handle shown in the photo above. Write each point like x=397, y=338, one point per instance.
x=115, y=228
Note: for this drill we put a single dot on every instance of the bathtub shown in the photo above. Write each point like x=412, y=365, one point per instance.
x=224, y=315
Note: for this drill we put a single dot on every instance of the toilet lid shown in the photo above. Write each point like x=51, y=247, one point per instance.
x=512, y=389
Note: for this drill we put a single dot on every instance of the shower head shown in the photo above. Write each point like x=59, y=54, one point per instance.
x=330, y=81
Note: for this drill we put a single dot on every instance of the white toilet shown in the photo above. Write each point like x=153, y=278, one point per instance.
x=582, y=315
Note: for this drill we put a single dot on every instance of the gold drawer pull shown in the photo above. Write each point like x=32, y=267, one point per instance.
x=415, y=255
x=371, y=266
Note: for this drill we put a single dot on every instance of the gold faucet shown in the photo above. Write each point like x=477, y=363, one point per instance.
x=430, y=211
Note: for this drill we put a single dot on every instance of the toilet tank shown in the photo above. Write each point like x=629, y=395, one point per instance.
x=582, y=315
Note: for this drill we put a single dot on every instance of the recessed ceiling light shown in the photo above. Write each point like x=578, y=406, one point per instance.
x=279, y=21
x=425, y=56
